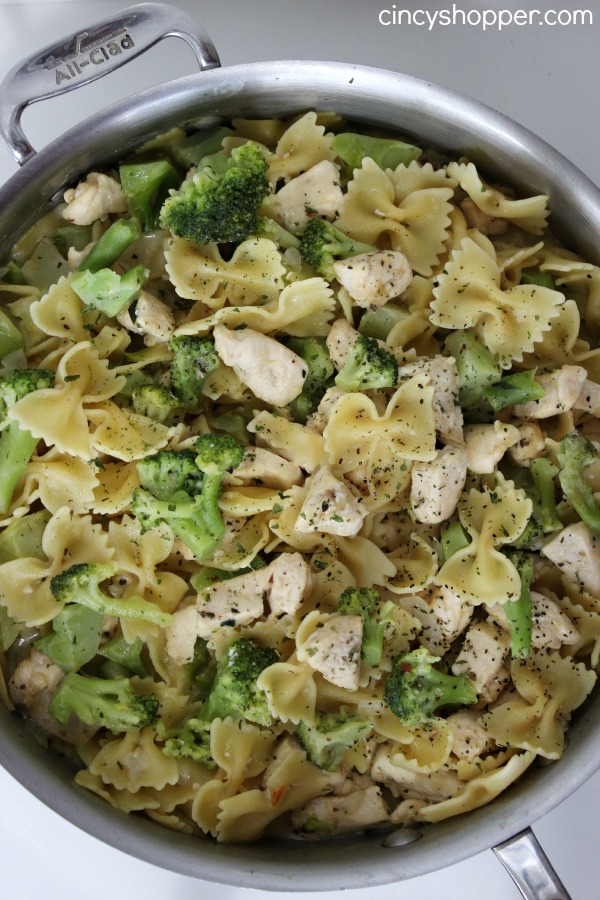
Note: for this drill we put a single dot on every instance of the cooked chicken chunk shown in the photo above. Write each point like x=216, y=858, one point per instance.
x=95, y=198
x=330, y=506
x=482, y=655
x=271, y=371
x=551, y=627
x=372, y=279
x=152, y=318
x=32, y=686
x=262, y=466
x=239, y=601
x=433, y=787
x=561, y=391
x=319, y=419
x=589, y=398
x=487, y=444
x=476, y=218
x=443, y=614
x=576, y=551
x=531, y=443
x=437, y=485
x=469, y=739
x=359, y=809
x=342, y=336
x=443, y=375
x=315, y=192
x=334, y=650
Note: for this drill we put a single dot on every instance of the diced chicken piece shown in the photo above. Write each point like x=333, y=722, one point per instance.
x=443, y=614
x=433, y=787
x=443, y=375
x=315, y=192
x=482, y=654
x=360, y=809
x=476, y=218
x=262, y=466
x=153, y=318
x=330, y=506
x=271, y=371
x=291, y=581
x=531, y=443
x=561, y=391
x=495, y=685
x=239, y=601
x=407, y=812
x=76, y=257
x=95, y=198
x=589, y=398
x=372, y=279
x=437, y=485
x=341, y=338
x=576, y=552
x=487, y=444
x=334, y=650
x=469, y=739
x=319, y=419
x=551, y=627
x=32, y=686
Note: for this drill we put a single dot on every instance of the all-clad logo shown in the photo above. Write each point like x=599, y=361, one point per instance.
x=96, y=54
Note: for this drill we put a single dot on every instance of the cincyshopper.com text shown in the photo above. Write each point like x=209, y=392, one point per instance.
x=484, y=18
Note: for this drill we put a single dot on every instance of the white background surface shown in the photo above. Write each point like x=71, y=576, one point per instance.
x=544, y=77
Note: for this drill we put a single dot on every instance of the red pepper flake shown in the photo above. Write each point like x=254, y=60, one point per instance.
x=406, y=667
x=277, y=794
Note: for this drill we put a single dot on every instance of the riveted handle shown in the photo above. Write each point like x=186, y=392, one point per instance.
x=89, y=54
x=530, y=868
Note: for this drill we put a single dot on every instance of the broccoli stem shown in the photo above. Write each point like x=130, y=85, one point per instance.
x=518, y=388
x=453, y=538
x=543, y=473
x=388, y=153
x=477, y=368
x=518, y=612
x=16, y=449
x=576, y=453
x=111, y=245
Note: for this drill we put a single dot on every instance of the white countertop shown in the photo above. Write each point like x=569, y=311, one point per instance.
x=546, y=77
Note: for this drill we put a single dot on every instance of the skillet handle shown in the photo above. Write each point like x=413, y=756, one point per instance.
x=530, y=868
x=89, y=55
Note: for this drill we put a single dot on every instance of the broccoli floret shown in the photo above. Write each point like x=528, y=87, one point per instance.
x=111, y=703
x=388, y=153
x=477, y=368
x=234, y=692
x=326, y=741
x=414, y=690
x=194, y=359
x=216, y=206
x=368, y=366
x=518, y=612
x=194, y=516
x=169, y=471
x=576, y=453
x=81, y=584
x=16, y=444
x=191, y=740
x=321, y=244
x=313, y=350
x=364, y=602
x=154, y=401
